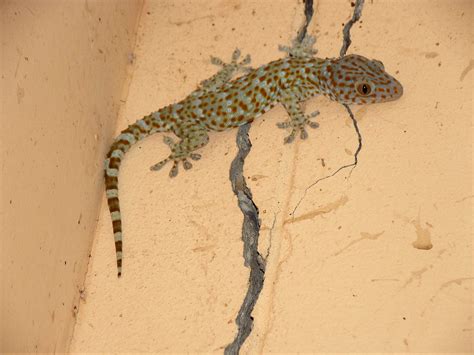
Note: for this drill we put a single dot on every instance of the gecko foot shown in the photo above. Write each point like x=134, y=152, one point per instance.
x=227, y=71
x=298, y=127
x=308, y=118
x=303, y=135
x=300, y=50
x=176, y=157
x=174, y=170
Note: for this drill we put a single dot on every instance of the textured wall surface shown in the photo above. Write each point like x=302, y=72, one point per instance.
x=63, y=70
x=376, y=261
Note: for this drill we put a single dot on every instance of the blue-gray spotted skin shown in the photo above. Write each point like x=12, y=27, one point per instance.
x=221, y=104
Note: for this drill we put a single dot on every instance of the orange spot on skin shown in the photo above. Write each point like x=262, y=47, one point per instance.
x=243, y=106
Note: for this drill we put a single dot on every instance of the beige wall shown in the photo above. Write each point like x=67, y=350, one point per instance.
x=344, y=276
x=349, y=274
x=64, y=64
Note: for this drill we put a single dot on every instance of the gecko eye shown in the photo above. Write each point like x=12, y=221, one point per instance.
x=363, y=89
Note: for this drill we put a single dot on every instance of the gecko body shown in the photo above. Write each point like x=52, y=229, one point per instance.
x=221, y=103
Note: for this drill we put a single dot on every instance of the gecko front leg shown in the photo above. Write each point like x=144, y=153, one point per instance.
x=303, y=49
x=298, y=120
x=228, y=70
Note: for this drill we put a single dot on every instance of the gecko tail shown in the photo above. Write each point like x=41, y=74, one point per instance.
x=142, y=128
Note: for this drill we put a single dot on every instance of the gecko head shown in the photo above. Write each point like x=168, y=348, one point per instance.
x=357, y=80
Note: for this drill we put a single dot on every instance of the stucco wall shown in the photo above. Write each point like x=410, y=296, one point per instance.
x=63, y=69
x=378, y=261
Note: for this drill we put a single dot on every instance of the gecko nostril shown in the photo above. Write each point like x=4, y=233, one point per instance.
x=400, y=90
x=396, y=91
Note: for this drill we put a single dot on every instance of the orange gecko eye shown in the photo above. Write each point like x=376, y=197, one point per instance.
x=364, y=89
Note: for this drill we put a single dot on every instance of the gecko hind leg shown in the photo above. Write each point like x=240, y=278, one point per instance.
x=181, y=151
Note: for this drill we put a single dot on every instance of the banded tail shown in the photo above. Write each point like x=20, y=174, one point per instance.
x=142, y=128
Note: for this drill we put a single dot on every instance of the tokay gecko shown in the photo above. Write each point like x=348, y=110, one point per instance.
x=220, y=103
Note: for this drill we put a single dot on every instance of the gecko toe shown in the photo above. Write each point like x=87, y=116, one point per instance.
x=186, y=164
x=174, y=170
x=283, y=125
x=310, y=123
x=235, y=55
x=195, y=156
x=290, y=138
x=159, y=165
x=303, y=133
x=246, y=60
x=312, y=114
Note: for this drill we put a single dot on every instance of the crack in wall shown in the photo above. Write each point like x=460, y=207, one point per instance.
x=346, y=42
x=346, y=32
x=251, y=223
x=250, y=234
x=351, y=165
x=270, y=236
